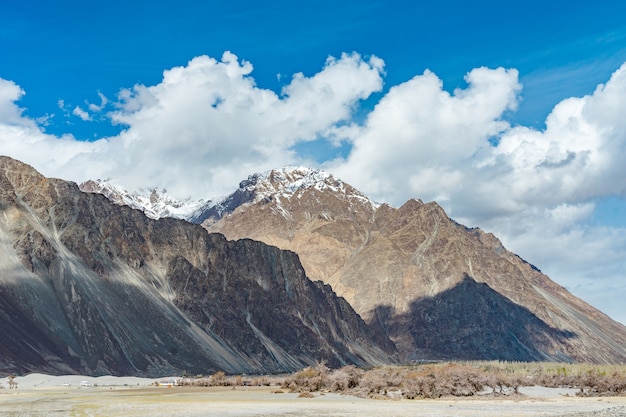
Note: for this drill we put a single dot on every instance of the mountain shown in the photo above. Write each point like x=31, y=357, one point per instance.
x=153, y=202
x=91, y=287
x=440, y=290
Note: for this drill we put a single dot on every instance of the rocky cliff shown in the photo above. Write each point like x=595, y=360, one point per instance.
x=90, y=287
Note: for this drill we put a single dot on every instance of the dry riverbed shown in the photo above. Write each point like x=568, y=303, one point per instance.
x=42, y=395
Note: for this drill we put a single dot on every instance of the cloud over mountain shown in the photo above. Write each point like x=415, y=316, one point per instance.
x=208, y=123
x=536, y=189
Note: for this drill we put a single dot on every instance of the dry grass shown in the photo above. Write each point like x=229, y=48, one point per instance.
x=434, y=380
x=459, y=379
x=596, y=380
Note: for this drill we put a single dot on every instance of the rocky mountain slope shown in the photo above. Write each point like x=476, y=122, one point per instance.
x=438, y=288
x=90, y=287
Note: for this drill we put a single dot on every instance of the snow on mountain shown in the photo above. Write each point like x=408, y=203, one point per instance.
x=278, y=184
x=154, y=203
x=290, y=181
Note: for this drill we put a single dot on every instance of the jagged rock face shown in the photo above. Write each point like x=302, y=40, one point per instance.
x=87, y=286
x=391, y=263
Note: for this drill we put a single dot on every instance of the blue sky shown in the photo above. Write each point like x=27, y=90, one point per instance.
x=70, y=50
x=403, y=109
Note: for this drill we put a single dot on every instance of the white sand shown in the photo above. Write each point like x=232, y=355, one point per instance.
x=51, y=381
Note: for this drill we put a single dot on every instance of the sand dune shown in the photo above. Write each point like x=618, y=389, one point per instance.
x=51, y=381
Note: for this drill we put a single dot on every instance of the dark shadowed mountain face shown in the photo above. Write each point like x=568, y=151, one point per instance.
x=90, y=287
x=481, y=324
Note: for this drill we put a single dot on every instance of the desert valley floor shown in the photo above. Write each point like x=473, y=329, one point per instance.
x=40, y=395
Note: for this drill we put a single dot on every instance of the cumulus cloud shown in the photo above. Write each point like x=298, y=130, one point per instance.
x=10, y=113
x=203, y=127
x=457, y=148
x=419, y=135
x=211, y=122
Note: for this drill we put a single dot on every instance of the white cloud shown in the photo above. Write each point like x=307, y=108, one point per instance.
x=419, y=135
x=10, y=113
x=81, y=113
x=99, y=107
x=203, y=127
x=21, y=137
x=211, y=123
x=422, y=141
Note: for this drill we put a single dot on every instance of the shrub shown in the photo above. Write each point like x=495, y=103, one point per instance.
x=309, y=379
x=218, y=379
x=344, y=378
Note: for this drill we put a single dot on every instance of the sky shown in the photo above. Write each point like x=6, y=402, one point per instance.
x=511, y=115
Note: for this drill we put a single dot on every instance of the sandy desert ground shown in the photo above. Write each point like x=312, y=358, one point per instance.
x=79, y=396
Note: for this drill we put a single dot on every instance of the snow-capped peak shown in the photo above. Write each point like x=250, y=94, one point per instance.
x=285, y=182
x=153, y=202
x=278, y=184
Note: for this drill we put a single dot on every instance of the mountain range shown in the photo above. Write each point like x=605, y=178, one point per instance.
x=436, y=288
x=293, y=268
